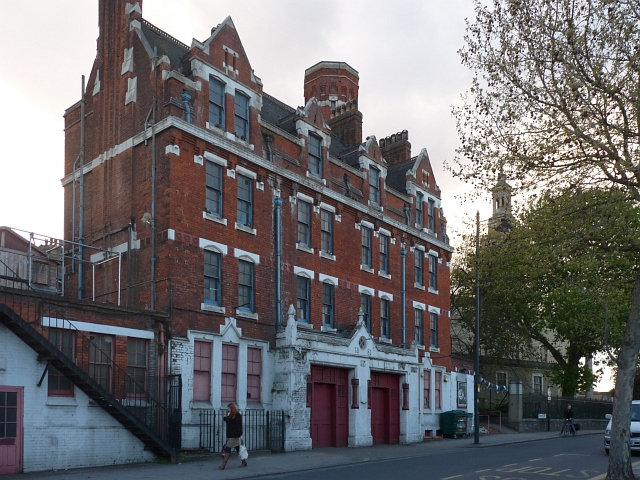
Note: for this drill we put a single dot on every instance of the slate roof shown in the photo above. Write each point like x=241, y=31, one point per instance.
x=278, y=113
x=166, y=44
x=397, y=175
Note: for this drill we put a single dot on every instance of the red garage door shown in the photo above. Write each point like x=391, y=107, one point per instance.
x=385, y=408
x=327, y=394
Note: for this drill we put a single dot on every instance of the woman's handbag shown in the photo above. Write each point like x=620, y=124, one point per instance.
x=243, y=454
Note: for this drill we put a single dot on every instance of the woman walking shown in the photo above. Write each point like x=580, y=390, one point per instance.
x=234, y=433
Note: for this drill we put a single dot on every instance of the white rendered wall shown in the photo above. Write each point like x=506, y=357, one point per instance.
x=62, y=433
x=181, y=362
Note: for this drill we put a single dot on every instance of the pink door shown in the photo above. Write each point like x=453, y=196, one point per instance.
x=11, y=429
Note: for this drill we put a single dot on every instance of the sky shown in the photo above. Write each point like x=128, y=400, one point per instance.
x=405, y=53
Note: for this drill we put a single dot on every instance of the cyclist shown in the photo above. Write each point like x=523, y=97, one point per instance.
x=568, y=422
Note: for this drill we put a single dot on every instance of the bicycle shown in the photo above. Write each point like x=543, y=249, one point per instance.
x=568, y=427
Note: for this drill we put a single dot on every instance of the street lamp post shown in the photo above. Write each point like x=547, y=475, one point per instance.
x=476, y=366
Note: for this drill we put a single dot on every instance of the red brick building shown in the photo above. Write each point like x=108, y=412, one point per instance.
x=228, y=207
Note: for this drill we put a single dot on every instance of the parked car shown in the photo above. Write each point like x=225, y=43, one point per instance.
x=634, y=440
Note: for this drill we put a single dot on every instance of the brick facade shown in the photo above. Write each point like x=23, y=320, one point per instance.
x=161, y=173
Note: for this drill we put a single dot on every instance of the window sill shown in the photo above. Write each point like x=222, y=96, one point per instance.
x=214, y=218
x=364, y=268
x=207, y=307
x=375, y=205
x=384, y=340
x=420, y=347
x=215, y=128
x=304, y=248
x=199, y=404
x=234, y=137
x=304, y=325
x=328, y=256
x=317, y=177
x=245, y=314
x=62, y=402
x=328, y=329
x=384, y=275
x=418, y=286
x=434, y=349
x=431, y=290
x=245, y=228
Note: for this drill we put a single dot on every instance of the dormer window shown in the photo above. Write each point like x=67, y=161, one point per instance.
x=242, y=116
x=216, y=103
x=315, y=155
x=374, y=185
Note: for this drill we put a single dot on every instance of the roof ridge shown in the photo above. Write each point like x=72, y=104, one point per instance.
x=164, y=34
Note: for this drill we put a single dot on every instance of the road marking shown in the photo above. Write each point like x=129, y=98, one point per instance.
x=535, y=460
x=448, y=478
x=485, y=470
x=509, y=465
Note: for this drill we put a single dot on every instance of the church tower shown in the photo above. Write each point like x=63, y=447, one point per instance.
x=502, y=219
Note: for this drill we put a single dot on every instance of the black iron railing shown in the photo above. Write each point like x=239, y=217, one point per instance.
x=532, y=405
x=148, y=405
x=262, y=430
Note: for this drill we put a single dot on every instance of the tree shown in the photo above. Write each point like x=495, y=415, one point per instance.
x=554, y=103
x=544, y=284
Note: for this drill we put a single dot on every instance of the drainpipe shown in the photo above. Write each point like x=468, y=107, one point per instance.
x=277, y=202
x=73, y=216
x=185, y=101
x=81, y=206
x=403, y=254
x=153, y=184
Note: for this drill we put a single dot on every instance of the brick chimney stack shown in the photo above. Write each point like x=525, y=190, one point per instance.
x=335, y=86
x=396, y=148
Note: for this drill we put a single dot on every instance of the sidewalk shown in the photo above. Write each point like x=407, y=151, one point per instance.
x=261, y=464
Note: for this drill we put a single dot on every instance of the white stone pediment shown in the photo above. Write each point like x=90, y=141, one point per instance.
x=230, y=331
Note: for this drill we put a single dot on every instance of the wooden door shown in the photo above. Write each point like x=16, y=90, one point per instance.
x=322, y=418
x=379, y=413
x=329, y=407
x=385, y=408
x=11, y=405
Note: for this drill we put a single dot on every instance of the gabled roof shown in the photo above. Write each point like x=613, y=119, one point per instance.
x=397, y=175
x=278, y=113
x=18, y=242
x=166, y=44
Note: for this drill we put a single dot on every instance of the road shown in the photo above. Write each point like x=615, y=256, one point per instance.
x=569, y=458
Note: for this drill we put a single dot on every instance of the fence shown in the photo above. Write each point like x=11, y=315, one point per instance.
x=532, y=405
x=262, y=430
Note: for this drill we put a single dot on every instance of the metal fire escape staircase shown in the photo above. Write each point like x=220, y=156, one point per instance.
x=154, y=429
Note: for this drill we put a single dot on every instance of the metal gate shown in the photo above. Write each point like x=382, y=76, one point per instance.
x=262, y=430
x=174, y=410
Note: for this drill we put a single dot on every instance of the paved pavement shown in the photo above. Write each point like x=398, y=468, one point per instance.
x=263, y=463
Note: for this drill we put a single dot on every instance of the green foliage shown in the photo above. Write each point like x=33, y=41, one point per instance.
x=555, y=104
x=555, y=283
